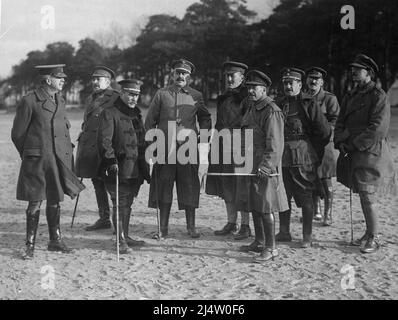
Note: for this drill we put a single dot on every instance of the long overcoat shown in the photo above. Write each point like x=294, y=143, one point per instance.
x=266, y=121
x=87, y=157
x=230, y=112
x=173, y=108
x=121, y=140
x=364, y=121
x=40, y=133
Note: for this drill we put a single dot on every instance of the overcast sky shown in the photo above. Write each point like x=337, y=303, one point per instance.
x=21, y=30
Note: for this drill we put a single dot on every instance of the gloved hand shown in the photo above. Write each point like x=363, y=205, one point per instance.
x=263, y=172
x=112, y=170
x=346, y=148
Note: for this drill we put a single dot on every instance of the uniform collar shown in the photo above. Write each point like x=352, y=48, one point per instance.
x=42, y=94
x=125, y=109
x=176, y=89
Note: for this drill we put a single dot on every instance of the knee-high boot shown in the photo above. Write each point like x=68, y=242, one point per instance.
x=316, y=203
x=32, y=222
x=284, y=227
x=258, y=244
x=328, y=201
x=123, y=247
x=269, y=252
x=164, y=213
x=53, y=215
x=372, y=243
x=126, y=223
x=307, y=211
x=190, y=216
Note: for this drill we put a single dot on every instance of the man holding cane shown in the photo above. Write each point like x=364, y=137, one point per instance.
x=121, y=142
x=265, y=194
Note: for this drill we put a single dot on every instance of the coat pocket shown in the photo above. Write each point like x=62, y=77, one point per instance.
x=298, y=153
x=32, y=152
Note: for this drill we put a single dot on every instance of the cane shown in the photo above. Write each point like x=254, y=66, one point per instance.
x=157, y=202
x=352, y=229
x=117, y=213
x=74, y=211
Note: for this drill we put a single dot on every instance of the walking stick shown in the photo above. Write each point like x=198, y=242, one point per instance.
x=352, y=229
x=117, y=213
x=157, y=202
x=74, y=211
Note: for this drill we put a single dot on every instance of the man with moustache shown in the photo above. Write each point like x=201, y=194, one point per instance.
x=307, y=132
x=229, y=116
x=121, y=142
x=40, y=133
x=87, y=158
x=365, y=164
x=327, y=169
x=180, y=107
x=264, y=194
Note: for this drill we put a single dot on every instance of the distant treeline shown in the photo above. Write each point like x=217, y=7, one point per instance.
x=298, y=33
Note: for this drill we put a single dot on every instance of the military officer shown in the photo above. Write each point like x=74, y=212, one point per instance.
x=327, y=169
x=229, y=116
x=40, y=133
x=307, y=132
x=121, y=141
x=265, y=194
x=178, y=107
x=365, y=164
x=87, y=158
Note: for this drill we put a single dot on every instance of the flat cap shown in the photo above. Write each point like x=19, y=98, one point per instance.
x=131, y=85
x=257, y=78
x=292, y=73
x=233, y=66
x=365, y=62
x=183, y=64
x=55, y=70
x=316, y=72
x=101, y=71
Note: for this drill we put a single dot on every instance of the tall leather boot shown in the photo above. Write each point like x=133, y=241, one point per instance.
x=126, y=223
x=123, y=247
x=190, y=216
x=53, y=215
x=32, y=222
x=103, y=206
x=316, y=203
x=328, y=190
x=284, y=227
x=307, y=211
x=269, y=252
x=164, y=212
x=258, y=244
x=372, y=243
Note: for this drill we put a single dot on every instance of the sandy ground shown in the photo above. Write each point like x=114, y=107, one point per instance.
x=181, y=268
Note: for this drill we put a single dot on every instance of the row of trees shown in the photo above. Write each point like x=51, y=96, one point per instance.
x=298, y=33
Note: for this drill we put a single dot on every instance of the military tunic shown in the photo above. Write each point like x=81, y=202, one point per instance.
x=230, y=112
x=87, y=158
x=266, y=121
x=307, y=132
x=176, y=108
x=40, y=133
x=364, y=121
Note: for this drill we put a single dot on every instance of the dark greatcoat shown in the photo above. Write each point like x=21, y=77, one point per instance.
x=187, y=106
x=263, y=195
x=40, y=133
x=331, y=109
x=121, y=140
x=230, y=112
x=87, y=158
x=364, y=121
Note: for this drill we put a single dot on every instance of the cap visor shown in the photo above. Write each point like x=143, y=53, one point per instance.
x=255, y=83
x=358, y=65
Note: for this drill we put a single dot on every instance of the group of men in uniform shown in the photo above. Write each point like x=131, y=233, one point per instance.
x=293, y=151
